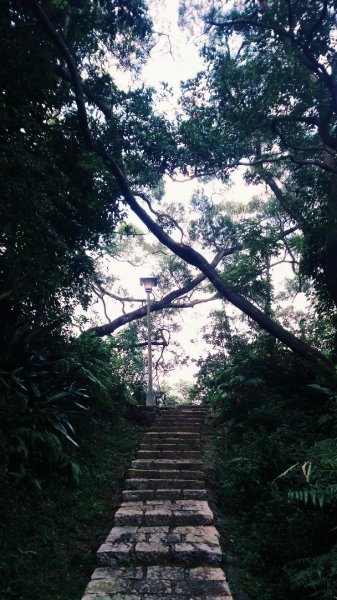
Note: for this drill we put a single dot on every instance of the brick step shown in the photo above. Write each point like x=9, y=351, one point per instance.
x=157, y=582
x=167, y=483
x=176, y=545
x=169, y=454
x=167, y=464
x=164, y=494
x=165, y=474
x=164, y=512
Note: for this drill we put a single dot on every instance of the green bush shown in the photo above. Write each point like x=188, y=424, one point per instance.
x=48, y=385
x=277, y=459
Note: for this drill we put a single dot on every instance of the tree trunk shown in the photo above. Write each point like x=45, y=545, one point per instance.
x=185, y=252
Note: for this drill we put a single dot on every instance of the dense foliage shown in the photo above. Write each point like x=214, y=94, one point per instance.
x=267, y=101
x=69, y=132
x=49, y=537
x=276, y=477
x=59, y=207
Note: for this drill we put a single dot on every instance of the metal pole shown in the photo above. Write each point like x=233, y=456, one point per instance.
x=150, y=396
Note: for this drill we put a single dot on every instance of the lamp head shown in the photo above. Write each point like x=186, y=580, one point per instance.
x=149, y=283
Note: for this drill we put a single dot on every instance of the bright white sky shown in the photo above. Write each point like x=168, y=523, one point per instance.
x=175, y=58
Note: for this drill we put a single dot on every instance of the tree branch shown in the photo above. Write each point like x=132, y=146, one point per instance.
x=161, y=214
x=165, y=302
x=184, y=251
x=195, y=302
x=122, y=299
x=270, y=181
x=285, y=157
x=303, y=51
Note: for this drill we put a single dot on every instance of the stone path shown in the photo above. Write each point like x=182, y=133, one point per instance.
x=163, y=543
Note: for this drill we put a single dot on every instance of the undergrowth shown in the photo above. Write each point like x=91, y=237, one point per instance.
x=276, y=465
x=48, y=536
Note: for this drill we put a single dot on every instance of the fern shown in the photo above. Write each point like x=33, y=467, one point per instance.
x=316, y=496
x=319, y=472
x=317, y=574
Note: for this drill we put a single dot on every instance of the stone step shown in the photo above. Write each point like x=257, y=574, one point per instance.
x=172, y=437
x=158, y=582
x=164, y=494
x=164, y=512
x=167, y=464
x=179, y=418
x=172, y=419
x=169, y=454
x=190, y=411
x=179, y=445
x=167, y=483
x=175, y=428
x=170, y=444
x=165, y=474
x=164, y=544
x=176, y=434
x=178, y=545
x=174, y=431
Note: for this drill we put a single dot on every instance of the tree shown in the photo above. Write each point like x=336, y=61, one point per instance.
x=188, y=254
x=60, y=206
x=275, y=463
x=267, y=101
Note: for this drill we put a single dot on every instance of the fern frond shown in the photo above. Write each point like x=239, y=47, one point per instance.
x=317, y=496
x=319, y=574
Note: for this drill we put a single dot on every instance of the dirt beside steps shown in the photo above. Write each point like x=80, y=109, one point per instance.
x=163, y=544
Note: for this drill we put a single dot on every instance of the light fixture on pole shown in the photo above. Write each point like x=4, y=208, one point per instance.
x=149, y=283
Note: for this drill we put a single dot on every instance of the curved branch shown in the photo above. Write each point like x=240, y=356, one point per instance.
x=195, y=302
x=166, y=302
x=184, y=251
x=100, y=295
x=270, y=181
x=161, y=214
x=305, y=161
x=122, y=299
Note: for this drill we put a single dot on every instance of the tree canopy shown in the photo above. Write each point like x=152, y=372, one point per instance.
x=80, y=149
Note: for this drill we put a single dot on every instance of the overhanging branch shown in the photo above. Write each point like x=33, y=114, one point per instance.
x=184, y=251
x=165, y=302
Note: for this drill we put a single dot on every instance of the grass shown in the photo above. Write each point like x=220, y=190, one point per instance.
x=48, y=539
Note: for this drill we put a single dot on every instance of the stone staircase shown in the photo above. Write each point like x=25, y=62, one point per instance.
x=163, y=543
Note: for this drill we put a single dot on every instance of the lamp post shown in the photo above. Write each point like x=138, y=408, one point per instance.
x=149, y=283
